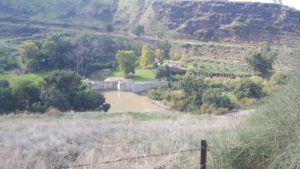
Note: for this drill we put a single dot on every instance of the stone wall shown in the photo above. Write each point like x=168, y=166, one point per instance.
x=103, y=85
x=135, y=87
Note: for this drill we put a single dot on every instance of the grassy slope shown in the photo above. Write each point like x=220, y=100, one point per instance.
x=270, y=138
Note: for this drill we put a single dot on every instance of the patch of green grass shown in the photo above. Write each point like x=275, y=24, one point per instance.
x=145, y=74
x=144, y=116
x=13, y=78
x=117, y=73
x=140, y=75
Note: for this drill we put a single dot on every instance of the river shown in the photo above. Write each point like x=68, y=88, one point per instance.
x=129, y=102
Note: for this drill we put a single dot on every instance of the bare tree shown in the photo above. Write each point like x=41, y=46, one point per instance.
x=84, y=48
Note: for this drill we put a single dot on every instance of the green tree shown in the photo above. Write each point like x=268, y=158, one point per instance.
x=27, y=94
x=160, y=56
x=164, y=73
x=165, y=46
x=7, y=100
x=87, y=100
x=138, y=30
x=65, y=91
x=262, y=60
x=261, y=63
x=126, y=61
x=147, y=58
x=193, y=89
x=109, y=27
x=30, y=53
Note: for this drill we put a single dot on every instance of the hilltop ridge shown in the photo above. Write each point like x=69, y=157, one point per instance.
x=200, y=20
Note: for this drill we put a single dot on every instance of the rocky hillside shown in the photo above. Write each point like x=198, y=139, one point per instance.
x=202, y=20
x=209, y=21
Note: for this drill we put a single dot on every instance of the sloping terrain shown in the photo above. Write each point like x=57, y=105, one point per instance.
x=211, y=21
x=201, y=20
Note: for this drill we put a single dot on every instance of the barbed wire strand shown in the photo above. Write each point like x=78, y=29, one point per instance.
x=168, y=153
x=138, y=157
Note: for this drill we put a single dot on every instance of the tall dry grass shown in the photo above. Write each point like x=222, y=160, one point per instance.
x=43, y=142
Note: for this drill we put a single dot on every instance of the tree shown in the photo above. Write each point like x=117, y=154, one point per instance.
x=165, y=46
x=261, y=63
x=65, y=91
x=163, y=73
x=126, y=61
x=193, y=89
x=26, y=94
x=7, y=100
x=109, y=27
x=87, y=100
x=262, y=60
x=30, y=53
x=138, y=30
x=85, y=46
x=147, y=57
x=160, y=56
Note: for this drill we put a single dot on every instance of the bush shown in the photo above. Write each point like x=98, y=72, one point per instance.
x=7, y=100
x=177, y=100
x=163, y=73
x=157, y=94
x=87, y=100
x=215, y=98
x=269, y=139
x=249, y=89
x=54, y=98
x=211, y=109
x=138, y=30
x=64, y=90
x=279, y=79
x=4, y=84
x=26, y=94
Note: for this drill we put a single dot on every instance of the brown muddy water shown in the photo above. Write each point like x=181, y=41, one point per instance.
x=130, y=102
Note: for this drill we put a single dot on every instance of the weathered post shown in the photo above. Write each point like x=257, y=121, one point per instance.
x=203, y=156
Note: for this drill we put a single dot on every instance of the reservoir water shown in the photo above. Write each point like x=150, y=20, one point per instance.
x=130, y=102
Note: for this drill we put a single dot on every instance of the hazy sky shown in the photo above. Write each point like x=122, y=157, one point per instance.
x=291, y=3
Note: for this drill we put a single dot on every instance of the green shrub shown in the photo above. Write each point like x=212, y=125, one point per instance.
x=177, y=100
x=249, y=89
x=155, y=94
x=215, y=98
x=269, y=139
x=87, y=100
x=7, y=100
x=4, y=84
x=279, y=79
x=26, y=94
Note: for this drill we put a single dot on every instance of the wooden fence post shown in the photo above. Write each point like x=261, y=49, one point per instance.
x=203, y=154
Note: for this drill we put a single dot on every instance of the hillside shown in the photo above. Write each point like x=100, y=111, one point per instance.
x=201, y=20
x=210, y=21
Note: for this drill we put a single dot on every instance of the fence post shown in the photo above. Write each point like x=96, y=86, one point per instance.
x=203, y=156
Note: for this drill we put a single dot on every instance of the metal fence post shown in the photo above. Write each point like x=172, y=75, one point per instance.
x=203, y=155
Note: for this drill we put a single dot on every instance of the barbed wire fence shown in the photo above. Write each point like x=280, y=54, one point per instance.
x=203, y=157
x=203, y=150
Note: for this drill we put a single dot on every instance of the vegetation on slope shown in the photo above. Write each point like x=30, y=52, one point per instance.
x=270, y=138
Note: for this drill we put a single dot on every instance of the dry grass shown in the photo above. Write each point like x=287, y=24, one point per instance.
x=52, y=142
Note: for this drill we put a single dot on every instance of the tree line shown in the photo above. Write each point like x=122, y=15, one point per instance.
x=63, y=90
